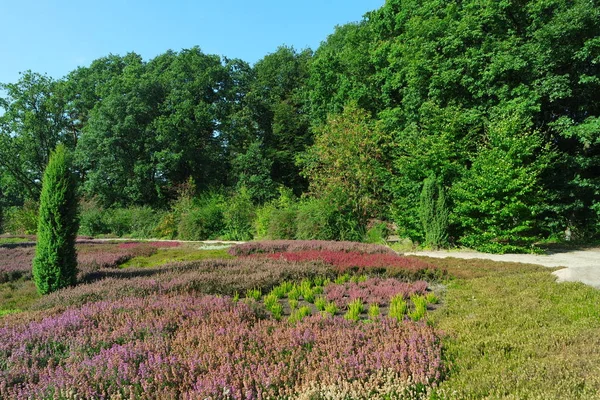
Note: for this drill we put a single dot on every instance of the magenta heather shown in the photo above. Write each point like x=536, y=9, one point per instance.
x=201, y=347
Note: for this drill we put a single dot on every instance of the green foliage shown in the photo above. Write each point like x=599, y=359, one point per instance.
x=398, y=307
x=345, y=166
x=238, y=216
x=374, y=311
x=320, y=303
x=298, y=314
x=420, y=307
x=433, y=212
x=377, y=233
x=204, y=220
x=331, y=308
x=314, y=220
x=431, y=298
x=55, y=262
x=262, y=221
x=254, y=294
x=355, y=308
x=253, y=171
x=22, y=220
x=499, y=201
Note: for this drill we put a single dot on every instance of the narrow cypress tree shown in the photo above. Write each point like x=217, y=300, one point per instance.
x=434, y=213
x=55, y=262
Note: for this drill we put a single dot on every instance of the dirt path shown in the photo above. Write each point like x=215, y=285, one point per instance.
x=581, y=265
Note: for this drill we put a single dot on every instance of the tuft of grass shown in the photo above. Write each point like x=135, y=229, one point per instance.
x=320, y=303
x=420, y=307
x=514, y=332
x=253, y=294
x=299, y=314
x=398, y=307
x=331, y=308
x=169, y=255
x=355, y=308
x=293, y=303
x=374, y=311
x=432, y=298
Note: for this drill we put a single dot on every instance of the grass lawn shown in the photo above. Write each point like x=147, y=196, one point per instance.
x=513, y=332
x=177, y=254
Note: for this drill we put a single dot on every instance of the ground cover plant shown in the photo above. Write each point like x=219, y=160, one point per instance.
x=290, y=246
x=513, y=332
x=208, y=347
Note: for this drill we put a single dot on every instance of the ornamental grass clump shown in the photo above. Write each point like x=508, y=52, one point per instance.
x=374, y=311
x=398, y=308
x=55, y=261
x=320, y=303
x=355, y=308
x=420, y=307
x=298, y=315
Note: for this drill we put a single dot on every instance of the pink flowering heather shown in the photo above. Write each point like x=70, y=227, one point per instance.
x=203, y=347
x=279, y=246
x=15, y=262
x=372, y=291
x=92, y=257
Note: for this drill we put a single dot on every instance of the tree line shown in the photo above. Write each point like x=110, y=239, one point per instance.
x=463, y=122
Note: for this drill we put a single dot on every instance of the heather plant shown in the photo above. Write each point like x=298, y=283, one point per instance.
x=355, y=308
x=398, y=307
x=55, y=262
x=276, y=311
x=350, y=261
x=294, y=293
x=374, y=311
x=254, y=294
x=373, y=290
x=320, y=303
x=298, y=314
x=431, y=298
x=270, y=300
x=15, y=262
x=420, y=307
x=293, y=303
x=331, y=308
x=281, y=290
x=342, y=279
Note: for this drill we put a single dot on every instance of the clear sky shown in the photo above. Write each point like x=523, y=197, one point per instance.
x=55, y=37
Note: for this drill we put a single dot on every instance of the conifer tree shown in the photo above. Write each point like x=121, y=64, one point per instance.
x=55, y=262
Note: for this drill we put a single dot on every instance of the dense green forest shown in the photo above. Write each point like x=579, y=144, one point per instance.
x=469, y=123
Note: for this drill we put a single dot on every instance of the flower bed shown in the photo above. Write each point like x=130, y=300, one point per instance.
x=208, y=347
x=15, y=262
x=372, y=291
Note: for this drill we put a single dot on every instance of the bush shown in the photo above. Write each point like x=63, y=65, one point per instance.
x=262, y=221
x=238, y=216
x=203, y=221
x=282, y=224
x=22, y=220
x=55, y=262
x=313, y=220
x=91, y=218
x=377, y=233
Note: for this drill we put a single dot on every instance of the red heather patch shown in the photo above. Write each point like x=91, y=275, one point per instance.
x=344, y=261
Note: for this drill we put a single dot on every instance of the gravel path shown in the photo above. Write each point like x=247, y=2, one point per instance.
x=581, y=265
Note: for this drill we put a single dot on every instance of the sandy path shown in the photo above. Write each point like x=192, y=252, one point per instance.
x=581, y=265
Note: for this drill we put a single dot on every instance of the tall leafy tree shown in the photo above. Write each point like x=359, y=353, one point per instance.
x=33, y=123
x=55, y=262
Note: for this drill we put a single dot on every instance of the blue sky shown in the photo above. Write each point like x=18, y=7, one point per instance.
x=55, y=37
